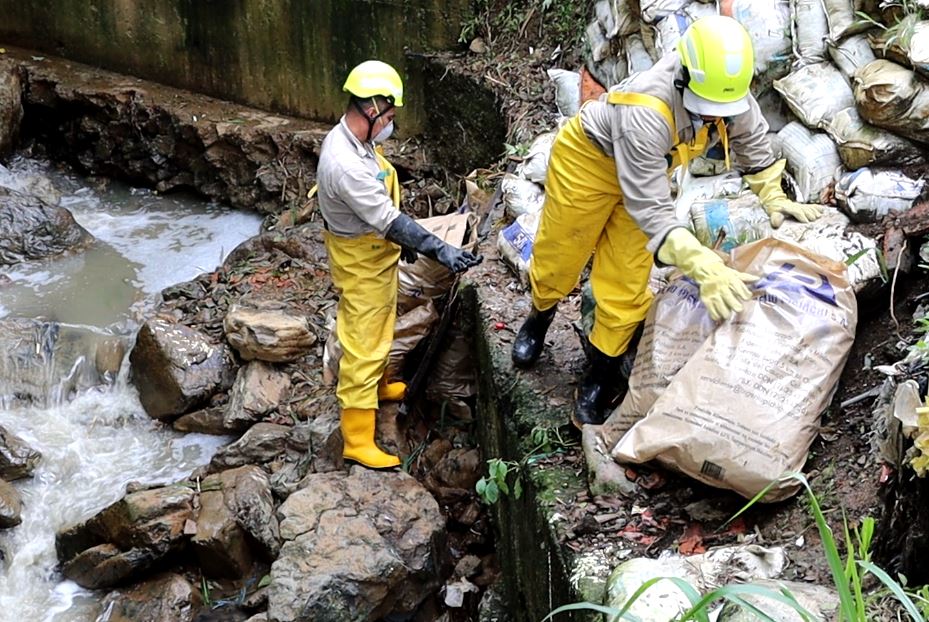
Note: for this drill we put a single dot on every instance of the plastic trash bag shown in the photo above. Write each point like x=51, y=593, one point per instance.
x=868, y=195
x=893, y=97
x=514, y=243
x=861, y=144
x=815, y=93
x=521, y=196
x=567, y=90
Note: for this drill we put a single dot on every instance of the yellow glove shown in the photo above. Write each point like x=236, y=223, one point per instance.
x=722, y=289
x=767, y=185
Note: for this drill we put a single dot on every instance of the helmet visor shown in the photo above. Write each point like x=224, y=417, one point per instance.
x=700, y=105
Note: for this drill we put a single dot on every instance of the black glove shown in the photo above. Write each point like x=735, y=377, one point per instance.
x=411, y=235
x=408, y=255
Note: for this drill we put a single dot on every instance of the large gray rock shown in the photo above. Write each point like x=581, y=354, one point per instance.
x=17, y=459
x=124, y=540
x=11, y=506
x=258, y=389
x=167, y=598
x=268, y=331
x=235, y=505
x=261, y=444
x=177, y=368
x=356, y=548
x=31, y=229
x=11, y=107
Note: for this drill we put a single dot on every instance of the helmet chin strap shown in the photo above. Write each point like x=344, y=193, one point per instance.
x=371, y=120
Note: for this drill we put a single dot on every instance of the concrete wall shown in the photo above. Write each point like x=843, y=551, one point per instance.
x=289, y=56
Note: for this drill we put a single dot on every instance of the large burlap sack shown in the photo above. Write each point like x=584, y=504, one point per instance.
x=815, y=93
x=810, y=29
x=655, y=10
x=905, y=43
x=567, y=91
x=599, y=46
x=669, y=30
x=812, y=159
x=677, y=324
x=637, y=57
x=861, y=144
x=893, y=97
x=617, y=17
x=534, y=166
x=746, y=405
x=426, y=279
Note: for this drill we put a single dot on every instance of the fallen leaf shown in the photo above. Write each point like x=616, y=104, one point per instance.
x=692, y=541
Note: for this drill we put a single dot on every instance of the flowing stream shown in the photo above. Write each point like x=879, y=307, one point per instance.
x=94, y=439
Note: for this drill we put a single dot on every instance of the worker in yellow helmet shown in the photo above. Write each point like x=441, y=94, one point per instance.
x=366, y=234
x=608, y=193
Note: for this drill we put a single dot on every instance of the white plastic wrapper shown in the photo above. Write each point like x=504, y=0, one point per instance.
x=653, y=11
x=812, y=158
x=815, y=93
x=740, y=219
x=567, y=90
x=514, y=243
x=810, y=30
x=521, y=196
x=868, y=195
x=669, y=30
x=535, y=166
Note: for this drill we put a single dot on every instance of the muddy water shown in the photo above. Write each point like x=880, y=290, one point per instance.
x=97, y=440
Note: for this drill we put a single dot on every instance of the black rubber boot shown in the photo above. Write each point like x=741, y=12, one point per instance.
x=600, y=389
x=531, y=337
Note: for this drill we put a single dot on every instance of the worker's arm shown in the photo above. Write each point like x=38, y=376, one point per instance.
x=367, y=197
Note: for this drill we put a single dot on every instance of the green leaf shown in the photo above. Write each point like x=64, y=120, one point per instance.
x=265, y=581
x=492, y=493
x=481, y=486
x=894, y=587
x=518, y=488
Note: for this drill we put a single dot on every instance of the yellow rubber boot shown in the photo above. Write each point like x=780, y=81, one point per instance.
x=391, y=391
x=358, y=440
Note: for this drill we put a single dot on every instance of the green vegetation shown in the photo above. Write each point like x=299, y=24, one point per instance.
x=562, y=22
x=849, y=578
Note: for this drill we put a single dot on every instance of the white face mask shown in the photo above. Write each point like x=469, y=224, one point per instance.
x=384, y=134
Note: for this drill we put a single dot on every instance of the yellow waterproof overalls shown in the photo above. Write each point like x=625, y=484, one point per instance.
x=364, y=272
x=584, y=213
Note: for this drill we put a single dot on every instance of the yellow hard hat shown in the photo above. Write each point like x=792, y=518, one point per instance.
x=372, y=78
x=718, y=54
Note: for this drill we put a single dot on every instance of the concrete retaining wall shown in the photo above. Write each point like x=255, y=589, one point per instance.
x=288, y=56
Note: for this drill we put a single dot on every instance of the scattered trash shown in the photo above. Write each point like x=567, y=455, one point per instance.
x=868, y=195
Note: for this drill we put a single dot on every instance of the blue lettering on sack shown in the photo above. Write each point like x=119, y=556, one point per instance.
x=519, y=239
x=786, y=280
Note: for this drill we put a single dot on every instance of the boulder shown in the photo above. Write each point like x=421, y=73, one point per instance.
x=17, y=459
x=206, y=421
x=127, y=538
x=261, y=444
x=11, y=506
x=11, y=107
x=314, y=446
x=235, y=505
x=258, y=389
x=356, y=548
x=176, y=368
x=268, y=331
x=167, y=598
x=32, y=229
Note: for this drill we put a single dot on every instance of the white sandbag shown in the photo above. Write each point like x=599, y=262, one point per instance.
x=893, y=97
x=815, y=93
x=654, y=10
x=868, y=195
x=774, y=110
x=598, y=44
x=768, y=24
x=745, y=407
x=637, y=57
x=521, y=196
x=669, y=30
x=851, y=54
x=609, y=71
x=812, y=159
x=692, y=188
x=830, y=237
x=842, y=19
x=567, y=90
x=741, y=220
x=677, y=324
x=861, y=144
x=616, y=17
x=535, y=165
x=514, y=243
x=810, y=30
